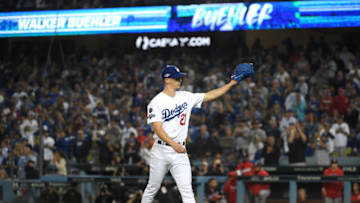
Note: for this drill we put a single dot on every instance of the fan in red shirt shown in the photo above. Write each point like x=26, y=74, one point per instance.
x=332, y=191
x=340, y=102
x=355, y=195
x=260, y=191
x=326, y=101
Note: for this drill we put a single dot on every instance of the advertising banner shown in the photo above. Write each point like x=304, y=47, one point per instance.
x=183, y=18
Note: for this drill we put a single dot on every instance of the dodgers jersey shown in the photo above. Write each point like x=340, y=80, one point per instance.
x=174, y=112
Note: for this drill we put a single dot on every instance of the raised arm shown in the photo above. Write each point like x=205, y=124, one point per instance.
x=302, y=134
x=215, y=93
x=242, y=71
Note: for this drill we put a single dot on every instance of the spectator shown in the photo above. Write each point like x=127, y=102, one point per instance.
x=326, y=101
x=302, y=86
x=214, y=143
x=213, y=192
x=31, y=170
x=281, y=74
x=298, y=105
x=324, y=145
x=255, y=148
x=227, y=143
x=4, y=151
x=272, y=129
x=314, y=106
x=204, y=168
x=351, y=116
x=230, y=162
x=271, y=152
x=341, y=102
x=82, y=147
x=49, y=143
x=24, y=160
x=28, y=136
x=338, y=83
x=3, y=174
x=340, y=130
x=332, y=191
x=286, y=120
x=127, y=131
x=257, y=131
x=276, y=93
x=353, y=146
x=60, y=163
x=29, y=122
x=106, y=151
x=131, y=151
x=311, y=125
x=217, y=168
x=200, y=146
x=297, y=145
x=355, y=195
x=241, y=136
x=63, y=143
x=145, y=152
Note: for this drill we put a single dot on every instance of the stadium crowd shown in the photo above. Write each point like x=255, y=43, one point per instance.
x=25, y=5
x=91, y=108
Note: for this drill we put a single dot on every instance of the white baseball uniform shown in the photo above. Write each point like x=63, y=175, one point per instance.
x=174, y=113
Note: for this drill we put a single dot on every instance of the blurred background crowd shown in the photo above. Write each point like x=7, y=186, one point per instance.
x=87, y=109
x=23, y=5
x=301, y=107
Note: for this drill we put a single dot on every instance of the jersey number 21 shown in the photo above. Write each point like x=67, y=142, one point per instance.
x=182, y=119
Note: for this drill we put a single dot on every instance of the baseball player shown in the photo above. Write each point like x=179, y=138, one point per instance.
x=169, y=113
x=245, y=169
x=332, y=191
x=260, y=191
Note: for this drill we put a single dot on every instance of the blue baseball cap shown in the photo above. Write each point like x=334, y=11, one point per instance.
x=171, y=71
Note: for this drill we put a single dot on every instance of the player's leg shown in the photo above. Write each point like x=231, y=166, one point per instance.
x=158, y=169
x=181, y=171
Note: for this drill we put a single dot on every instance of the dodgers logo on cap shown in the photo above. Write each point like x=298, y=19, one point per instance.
x=172, y=71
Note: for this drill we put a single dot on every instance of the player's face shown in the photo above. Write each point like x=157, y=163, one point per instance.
x=333, y=166
x=176, y=82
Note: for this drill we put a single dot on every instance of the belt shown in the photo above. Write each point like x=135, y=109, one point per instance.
x=165, y=143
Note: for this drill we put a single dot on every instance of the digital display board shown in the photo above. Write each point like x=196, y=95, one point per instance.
x=85, y=21
x=183, y=18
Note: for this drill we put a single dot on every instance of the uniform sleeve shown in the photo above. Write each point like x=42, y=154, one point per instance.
x=197, y=99
x=153, y=113
x=227, y=186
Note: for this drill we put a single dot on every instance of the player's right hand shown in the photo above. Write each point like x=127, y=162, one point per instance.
x=178, y=148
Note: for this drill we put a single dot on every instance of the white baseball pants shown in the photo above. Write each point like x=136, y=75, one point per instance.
x=163, y=159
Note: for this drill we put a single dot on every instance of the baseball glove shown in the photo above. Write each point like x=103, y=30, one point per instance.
x=242, y=71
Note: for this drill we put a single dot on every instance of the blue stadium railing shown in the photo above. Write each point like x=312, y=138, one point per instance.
x=9, y=196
